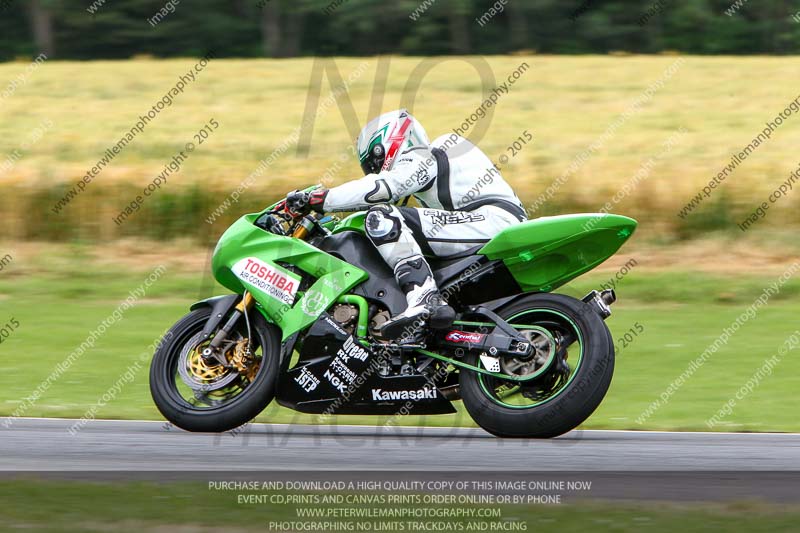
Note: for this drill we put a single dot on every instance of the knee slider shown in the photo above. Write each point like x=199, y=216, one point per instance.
x=383, y=224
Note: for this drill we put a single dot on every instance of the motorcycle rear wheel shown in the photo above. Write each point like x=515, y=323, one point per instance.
x=568, y=387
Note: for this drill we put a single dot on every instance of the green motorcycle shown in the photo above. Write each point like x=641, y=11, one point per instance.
x=309, y=296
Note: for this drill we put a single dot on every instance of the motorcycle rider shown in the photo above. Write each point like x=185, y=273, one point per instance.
x=465, y=202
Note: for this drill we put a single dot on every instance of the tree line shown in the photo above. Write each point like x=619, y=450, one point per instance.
x=108, y=29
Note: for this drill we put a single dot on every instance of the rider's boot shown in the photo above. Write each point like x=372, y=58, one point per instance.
x=426, y=306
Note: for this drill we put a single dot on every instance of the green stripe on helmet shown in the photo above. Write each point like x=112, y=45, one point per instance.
x=377, y=137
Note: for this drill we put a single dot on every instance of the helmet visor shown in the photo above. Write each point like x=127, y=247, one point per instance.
x=372, y=162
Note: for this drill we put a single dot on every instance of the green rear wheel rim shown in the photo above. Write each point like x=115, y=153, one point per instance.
x=488, y=384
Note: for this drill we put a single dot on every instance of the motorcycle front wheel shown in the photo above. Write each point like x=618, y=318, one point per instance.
x=203, y=395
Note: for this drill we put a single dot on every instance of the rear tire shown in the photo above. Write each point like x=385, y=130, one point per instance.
x=574, y=402
x=254, y=397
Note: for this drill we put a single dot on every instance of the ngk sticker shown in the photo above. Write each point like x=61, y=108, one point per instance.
x=464, y=336
x=272, y=280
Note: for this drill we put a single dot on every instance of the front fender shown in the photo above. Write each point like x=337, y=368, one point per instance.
x=220, y=306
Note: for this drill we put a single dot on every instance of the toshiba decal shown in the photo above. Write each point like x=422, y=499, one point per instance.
x=272, y=280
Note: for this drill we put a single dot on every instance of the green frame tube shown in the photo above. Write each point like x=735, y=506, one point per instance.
x=363, y=311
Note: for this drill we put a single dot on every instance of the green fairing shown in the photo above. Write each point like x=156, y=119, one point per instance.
x=545, y=253
x=354, y=222
x=244, y=240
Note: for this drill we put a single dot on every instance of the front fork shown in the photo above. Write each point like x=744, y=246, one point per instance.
x=212, y=351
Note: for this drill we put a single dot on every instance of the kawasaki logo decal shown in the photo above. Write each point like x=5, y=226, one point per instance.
x=421, y=394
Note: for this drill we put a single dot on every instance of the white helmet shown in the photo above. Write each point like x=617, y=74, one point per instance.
x=383, y=138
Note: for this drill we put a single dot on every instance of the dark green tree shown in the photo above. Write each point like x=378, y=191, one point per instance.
x=284, y=28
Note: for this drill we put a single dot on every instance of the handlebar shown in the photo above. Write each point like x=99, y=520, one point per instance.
x=280, y=222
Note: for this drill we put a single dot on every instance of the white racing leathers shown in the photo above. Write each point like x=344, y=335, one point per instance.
x=465, y=201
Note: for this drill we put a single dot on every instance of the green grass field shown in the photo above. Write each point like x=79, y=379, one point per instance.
x=59, y=294
x=133, y=507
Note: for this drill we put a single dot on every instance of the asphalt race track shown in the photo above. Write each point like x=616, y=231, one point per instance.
x=46, y=444
x=627, y=464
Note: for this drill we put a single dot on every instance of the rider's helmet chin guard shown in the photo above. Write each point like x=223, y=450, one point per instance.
x=385, y=137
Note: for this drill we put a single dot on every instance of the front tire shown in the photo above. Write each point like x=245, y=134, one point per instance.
x=566, y=390
x=198, y=396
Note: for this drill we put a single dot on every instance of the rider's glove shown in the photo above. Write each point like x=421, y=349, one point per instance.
x=317, y=199
x=297, y=203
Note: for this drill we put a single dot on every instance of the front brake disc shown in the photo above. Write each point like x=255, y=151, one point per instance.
x=198, y=373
